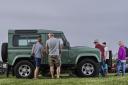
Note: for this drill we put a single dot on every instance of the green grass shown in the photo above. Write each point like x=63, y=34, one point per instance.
x=109, y=80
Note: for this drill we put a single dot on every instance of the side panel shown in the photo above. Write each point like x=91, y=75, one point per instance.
x=65, y=56
x=17, y=53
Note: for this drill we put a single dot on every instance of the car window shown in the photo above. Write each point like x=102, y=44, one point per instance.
x=62, y=39
x=24, y=40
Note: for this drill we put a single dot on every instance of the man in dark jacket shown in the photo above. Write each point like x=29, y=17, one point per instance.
x=102, y=51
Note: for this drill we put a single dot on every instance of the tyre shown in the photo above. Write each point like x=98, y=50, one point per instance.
x=87, y=68
x=4, y=52
x=24, y=69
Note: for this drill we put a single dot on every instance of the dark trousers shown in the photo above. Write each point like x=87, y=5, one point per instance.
x=102, y=68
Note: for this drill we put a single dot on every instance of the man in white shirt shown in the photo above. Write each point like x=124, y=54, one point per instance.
x=106, y=53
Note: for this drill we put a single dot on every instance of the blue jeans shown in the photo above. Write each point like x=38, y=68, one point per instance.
x=102, y=68
x=37, y=62
x=106, y=68
x=121, y=66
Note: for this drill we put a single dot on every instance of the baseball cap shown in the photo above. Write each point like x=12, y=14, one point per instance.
x=96, y=41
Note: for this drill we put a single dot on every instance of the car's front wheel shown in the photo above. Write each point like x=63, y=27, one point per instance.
x=24, y=69
x=87, y=68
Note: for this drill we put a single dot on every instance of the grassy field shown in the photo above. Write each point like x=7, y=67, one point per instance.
x=66, y=80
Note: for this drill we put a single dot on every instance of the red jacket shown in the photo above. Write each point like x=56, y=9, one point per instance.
x=101, y=48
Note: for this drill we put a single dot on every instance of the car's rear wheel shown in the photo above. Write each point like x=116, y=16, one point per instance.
x=24, y=69
x=4, y=52
x=87, y=68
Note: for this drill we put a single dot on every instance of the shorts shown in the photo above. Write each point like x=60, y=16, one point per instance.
x=37, y=62
x=54, y=60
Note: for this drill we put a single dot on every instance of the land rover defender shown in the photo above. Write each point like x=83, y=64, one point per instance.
x=82, y=61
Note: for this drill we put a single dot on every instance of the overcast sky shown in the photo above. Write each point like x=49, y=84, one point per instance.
x=82, y=21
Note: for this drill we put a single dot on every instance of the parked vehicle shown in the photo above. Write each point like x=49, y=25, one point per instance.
x=2, y=68
x=83, y=61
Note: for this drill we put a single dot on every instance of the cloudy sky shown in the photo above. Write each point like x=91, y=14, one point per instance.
x=82, y=21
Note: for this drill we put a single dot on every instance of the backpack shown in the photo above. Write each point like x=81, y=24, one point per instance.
x=126, y=51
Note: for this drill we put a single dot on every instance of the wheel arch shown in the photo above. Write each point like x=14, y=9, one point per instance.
x=87, y=56
x=20, y=58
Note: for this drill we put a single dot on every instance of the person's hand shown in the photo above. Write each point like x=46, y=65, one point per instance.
x=32, y=54
x=126, y=58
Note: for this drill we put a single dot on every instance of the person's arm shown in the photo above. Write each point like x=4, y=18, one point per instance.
x=46, y=47
x=43, y=49
x=105, y=52
x=120, y=52
x=43, y=52
x=61, y=43
x=97, y=47
x=116, y=56
x=33, y=49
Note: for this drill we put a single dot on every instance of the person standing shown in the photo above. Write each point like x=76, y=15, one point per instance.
x=37, y=51
x=106, y=54
x=121, y=60
x=102, y=63
x=53, y=48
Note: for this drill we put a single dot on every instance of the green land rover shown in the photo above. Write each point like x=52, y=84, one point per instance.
x=82, y=61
